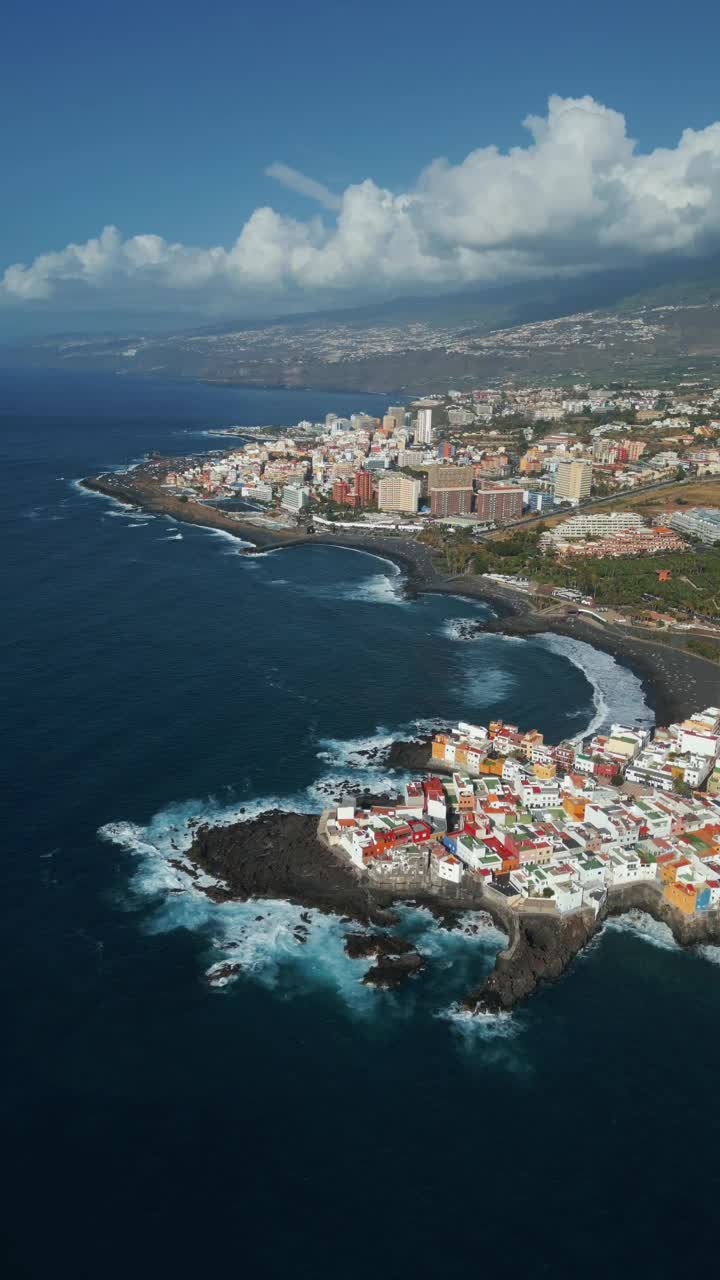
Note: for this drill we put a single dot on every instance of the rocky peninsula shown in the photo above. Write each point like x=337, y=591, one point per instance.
x=283, y=856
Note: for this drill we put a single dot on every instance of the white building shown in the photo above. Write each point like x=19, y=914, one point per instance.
x=423, y=427
x=295, y=497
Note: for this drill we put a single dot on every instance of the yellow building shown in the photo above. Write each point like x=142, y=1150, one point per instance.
x=573, y=480
x=399, y=493
x=545, y=769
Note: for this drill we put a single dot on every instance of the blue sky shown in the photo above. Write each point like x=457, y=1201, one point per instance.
x=161, y=119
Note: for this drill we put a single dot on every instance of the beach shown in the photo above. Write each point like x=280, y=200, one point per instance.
x=675, y=680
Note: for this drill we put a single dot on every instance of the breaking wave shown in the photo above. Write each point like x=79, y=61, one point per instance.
x=642, y=926
x=237, y=543
x=282, y=946
x=480, y=1026
x=618, y=694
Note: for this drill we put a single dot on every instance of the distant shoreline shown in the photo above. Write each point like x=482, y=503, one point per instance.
x=674, y=680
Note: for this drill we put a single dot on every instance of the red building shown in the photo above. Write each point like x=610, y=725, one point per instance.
x=499, y=504
x=363, y=489
x=341, y=493
x=451, y=502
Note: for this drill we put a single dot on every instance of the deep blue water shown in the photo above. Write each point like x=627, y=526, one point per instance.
x=292, y=1123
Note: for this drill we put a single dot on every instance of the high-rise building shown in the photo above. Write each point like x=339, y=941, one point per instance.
x=341, y=492
x=499, y=504
x=294, y=497
x=634, y=449
x=423, y=426
x=451, y=502
x=397, y=492
x=449, y=477
x=363, y=488
x=573, y=481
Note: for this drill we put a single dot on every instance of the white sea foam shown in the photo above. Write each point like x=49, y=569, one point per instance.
x=380, y=588
x=352, y=753
x=138, y=524
x=237, y=543
x=271, y=941
x=642, y=926
x=123, y=508
x=617, y=692
x=174, y=537
x=473, y=1027
x=710, y=953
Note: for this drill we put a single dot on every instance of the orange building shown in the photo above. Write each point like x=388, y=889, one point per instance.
x=681, y=895
x=574, y=806
x=492, y=766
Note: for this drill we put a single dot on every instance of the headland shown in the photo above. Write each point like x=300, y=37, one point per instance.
x=548, y=841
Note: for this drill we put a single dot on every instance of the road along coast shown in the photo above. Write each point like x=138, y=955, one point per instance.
x=285, y=856
x=674, y=680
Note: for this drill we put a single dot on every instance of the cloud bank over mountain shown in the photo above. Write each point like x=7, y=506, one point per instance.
x=578, y=196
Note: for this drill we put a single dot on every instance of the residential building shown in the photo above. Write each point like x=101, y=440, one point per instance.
x=400, y=493
x=573, y=480
x=499, y=504
x=451, y=502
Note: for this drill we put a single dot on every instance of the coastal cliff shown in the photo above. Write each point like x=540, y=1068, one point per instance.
x=543, y=945
x=280, y=855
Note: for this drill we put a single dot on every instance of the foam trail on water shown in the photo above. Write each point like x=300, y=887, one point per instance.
x=617, y=692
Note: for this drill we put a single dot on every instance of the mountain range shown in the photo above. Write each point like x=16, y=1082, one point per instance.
x=661, y=323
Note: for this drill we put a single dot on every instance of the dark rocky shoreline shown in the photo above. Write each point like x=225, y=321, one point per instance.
x=280, y=856
x=675, y=681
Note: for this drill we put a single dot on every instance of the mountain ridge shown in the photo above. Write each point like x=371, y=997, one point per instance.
x=659, y=322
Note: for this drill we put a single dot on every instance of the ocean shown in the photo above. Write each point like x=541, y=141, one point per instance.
x=292, y=1122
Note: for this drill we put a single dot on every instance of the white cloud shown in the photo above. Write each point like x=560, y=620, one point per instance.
x=305, y=186
x=579, y=195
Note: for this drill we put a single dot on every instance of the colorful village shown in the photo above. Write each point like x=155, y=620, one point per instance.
x=552, y=828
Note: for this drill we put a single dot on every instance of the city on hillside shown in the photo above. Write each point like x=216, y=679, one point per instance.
x=608, y=497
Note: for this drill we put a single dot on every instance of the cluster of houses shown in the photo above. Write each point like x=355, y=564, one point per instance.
x=552, y=827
